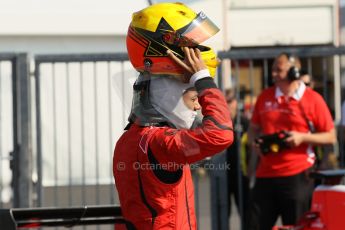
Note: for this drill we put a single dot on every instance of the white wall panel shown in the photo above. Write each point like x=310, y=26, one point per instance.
x=281, y=26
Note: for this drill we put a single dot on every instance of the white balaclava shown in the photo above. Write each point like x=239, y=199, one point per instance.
x=166, y=97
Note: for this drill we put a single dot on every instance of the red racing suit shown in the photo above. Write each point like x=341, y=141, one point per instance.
x=151, y=169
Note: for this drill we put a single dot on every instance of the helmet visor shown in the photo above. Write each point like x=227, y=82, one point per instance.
x=196, y=32
x=200, y=29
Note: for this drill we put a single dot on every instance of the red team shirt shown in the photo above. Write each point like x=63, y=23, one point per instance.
x=274, y=112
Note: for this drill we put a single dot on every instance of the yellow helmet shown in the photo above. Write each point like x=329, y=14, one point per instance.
x=164, y=26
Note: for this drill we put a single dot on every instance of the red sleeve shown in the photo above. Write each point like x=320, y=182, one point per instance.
x=191, y=145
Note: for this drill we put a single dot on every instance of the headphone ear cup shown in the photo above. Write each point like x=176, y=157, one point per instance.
x=293, y=73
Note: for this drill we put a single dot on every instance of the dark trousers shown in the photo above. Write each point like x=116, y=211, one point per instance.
x=286, y=196
x=233, y=190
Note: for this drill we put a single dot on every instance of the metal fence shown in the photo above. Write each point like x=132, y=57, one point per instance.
x=81, y=108
x=6, y=127
x=64, y=117
x=15, y=128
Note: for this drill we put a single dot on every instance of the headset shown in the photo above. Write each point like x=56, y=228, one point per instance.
x=294, y=72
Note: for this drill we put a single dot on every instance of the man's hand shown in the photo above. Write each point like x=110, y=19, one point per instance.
x=295, y=138
x=192, y=63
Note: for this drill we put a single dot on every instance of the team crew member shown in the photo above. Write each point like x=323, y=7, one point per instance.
x=282, y=186
x=151, y=158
